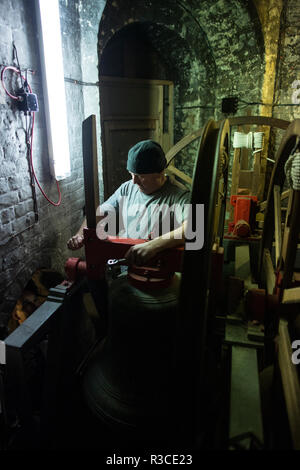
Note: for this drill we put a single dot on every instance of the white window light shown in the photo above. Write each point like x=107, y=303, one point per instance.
x=54, y=87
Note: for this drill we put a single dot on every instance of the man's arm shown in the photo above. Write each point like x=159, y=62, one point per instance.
x=141, y=253
x=77, y=241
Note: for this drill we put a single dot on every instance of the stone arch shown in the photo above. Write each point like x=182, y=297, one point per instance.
x=214, y=50
x=178, y=62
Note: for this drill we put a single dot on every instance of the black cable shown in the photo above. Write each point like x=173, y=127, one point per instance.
x=196, y=106
x=24, y=69
x=32, y=183
x=6, y=242
x=80, y=82
x=253, y=103
x=15, y=57
x=285, y=104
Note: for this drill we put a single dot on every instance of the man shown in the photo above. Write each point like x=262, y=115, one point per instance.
x=151, y=207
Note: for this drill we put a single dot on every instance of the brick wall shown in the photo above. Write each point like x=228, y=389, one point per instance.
x=26, y=245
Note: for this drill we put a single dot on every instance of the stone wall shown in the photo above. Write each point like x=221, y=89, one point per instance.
x=212, y=49
x=288, y=68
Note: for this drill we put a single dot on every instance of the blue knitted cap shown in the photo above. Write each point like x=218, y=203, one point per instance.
x=146, y=157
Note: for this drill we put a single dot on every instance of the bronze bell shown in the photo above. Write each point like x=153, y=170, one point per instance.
x=128, y=383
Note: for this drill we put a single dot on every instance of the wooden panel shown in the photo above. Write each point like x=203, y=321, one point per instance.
x=245, y=179
x=132, y=110
x=125, y=99
x=119, y=137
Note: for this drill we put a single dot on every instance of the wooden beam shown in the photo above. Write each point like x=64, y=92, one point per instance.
x=188, y=139
x=235, y=177
x=179, y=173
x=286, y=231
x=269, y=271
x=256, y=183
x=277, y=220
x=294, y=230
x=32, y=331
x=36, y=326
x=175, y=181
x=90, y=169
x=284, y=195
x=291, y=296
x=259, y=120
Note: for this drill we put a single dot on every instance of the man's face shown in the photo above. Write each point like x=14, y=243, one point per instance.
x=148, y=183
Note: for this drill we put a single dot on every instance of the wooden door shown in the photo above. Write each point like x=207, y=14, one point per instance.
x=132, y=110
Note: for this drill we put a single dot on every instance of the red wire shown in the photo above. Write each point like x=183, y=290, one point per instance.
x=14, y=69
x=37, y=181
x=2, y=80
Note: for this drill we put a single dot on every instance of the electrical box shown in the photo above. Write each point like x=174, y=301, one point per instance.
x=27, y=101
x=230, y=105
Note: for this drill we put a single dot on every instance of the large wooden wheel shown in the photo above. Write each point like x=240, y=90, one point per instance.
x=209, y=175
x=282, y=278
x=193, y=354
x=285, y=247
x=186, y=180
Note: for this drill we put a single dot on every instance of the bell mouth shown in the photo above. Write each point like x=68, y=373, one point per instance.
x=148, y=283
x=147, y=279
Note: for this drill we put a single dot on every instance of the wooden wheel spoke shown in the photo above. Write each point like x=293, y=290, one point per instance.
x=277, y=220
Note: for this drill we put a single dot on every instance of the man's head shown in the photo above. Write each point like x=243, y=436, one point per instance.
x=146, y=163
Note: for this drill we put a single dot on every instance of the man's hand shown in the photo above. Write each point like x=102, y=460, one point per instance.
x=141, y=253
x=75, y=242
